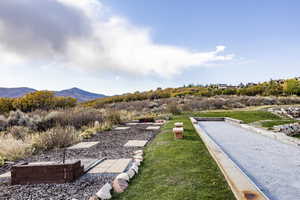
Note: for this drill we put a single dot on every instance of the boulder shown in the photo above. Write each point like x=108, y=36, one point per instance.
x=123, y=176
x=153, y=105
x=97, y=124
x=135, y=168
x=130, y=173
x=120, y=185
x=93, y=198
x=138, y=157
x=288, y=129
x=139, y=152
x=104, y=192
x=137, y=162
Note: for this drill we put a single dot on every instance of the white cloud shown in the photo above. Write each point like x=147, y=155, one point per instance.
x=108, y=43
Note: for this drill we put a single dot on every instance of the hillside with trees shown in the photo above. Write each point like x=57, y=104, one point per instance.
x=287, y=87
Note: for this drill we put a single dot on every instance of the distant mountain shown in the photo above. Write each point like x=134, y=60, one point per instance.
x=77, y=93
x=15, y=92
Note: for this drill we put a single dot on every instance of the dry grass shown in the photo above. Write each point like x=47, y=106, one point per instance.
x=174, y=109
x=19, y=132
x=57, y=137
x=13, y=149
x=76, y=117
x=3, y=123
x=113, y=117
x=56, y=129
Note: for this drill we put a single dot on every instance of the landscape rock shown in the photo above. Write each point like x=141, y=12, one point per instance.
x=139, y=152
x=152, y=105
x=123, y=176
x=97, y=124
x=137, y=162
x=135, y=168
x=138, y=157
x=120, y=185
x=93, y=198
x=104, y=192
x=288, y=129
x=291, y=112
x=130, y=173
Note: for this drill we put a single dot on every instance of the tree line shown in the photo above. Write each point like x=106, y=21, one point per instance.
x=271, y=88
x=43, y=100
x=46, y=100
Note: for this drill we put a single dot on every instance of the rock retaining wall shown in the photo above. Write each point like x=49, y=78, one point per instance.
x=290, y=112
x=288, y=129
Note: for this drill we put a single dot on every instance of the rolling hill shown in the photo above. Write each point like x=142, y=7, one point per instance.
x=15, y=92
x=80, y=95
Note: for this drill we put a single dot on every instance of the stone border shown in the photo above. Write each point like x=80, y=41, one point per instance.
x=241, y=185
x=121, y=182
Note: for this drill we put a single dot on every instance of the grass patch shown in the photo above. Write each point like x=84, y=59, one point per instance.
x=245, y=116
x=178, y=170
x=296, y=136
x=270, y=124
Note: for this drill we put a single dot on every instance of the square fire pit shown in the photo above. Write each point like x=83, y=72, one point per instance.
x=46, y=173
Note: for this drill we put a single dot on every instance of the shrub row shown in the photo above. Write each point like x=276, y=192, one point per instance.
x=44, y=100
x=270, y=88
x=13, y=148
x=76, y=117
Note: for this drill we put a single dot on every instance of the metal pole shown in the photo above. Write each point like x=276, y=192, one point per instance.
x=64, y=155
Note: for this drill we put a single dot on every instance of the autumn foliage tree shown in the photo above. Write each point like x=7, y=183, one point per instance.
x=291, y=87
x=6, y=105
x=43, y=100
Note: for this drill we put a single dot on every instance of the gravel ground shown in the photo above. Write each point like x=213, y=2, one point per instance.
x=272, y=165
x=110, y=146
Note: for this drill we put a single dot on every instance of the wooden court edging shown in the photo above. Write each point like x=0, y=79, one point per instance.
x=241, y=185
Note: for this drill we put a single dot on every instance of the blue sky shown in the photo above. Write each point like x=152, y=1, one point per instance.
x=114, y=46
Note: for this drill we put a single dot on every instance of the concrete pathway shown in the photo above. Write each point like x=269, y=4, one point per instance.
x=121, y=128
x=272, y=165
x=111, y=166
x=136, y=143
x=153, y=128
x=83, y=145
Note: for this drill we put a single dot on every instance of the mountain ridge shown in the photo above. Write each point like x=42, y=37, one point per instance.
x=79, y=94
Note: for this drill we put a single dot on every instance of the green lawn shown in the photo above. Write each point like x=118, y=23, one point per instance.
x=266, y=119
x=177, y=170
x=246, y=116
